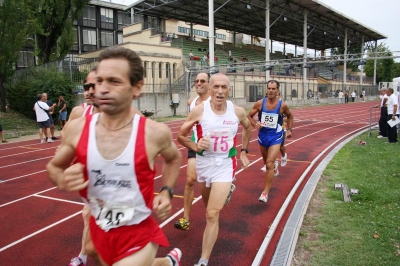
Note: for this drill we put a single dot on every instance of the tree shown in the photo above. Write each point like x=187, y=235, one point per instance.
x=352, y=48
x=55, y=20
x=384, y=67
x=16, y=22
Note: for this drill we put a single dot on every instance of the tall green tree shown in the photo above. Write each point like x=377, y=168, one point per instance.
x=16, y=23
x=55, y=19
x=352, y=48
x=384, y=67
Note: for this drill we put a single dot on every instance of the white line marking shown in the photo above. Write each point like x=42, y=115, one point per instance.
x=22, y=176
x=63, y=200
x=5, y=204
x=39, y=231
x=26, y=162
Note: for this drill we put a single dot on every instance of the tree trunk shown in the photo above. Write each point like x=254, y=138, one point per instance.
x=3, y=95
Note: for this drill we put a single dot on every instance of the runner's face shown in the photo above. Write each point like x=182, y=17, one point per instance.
x=90, y=94
x=220, y=88
x=114, y=92
x=201, y=84
x=272, y=90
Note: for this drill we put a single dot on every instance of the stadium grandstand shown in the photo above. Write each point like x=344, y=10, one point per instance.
x=173, y=39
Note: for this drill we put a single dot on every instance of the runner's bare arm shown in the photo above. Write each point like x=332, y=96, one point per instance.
x=59, y=169
x=256, y=108
x=162, y=143
x=76, y=112
x=289, y=118
x=246, y=134
x=193, y=118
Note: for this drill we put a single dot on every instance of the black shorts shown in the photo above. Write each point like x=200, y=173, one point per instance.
x=1, y=129
x=191, y=154
x=283, y=139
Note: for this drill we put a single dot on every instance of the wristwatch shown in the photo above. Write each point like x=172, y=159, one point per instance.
x=246, y=150
x=170, y=191
x=290, y=129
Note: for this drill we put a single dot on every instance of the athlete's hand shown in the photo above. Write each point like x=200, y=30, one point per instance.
x=245, y=161
x=288, y=134
x=72, y=179
x=258, y=125
x=162, y=206
x=203, y=144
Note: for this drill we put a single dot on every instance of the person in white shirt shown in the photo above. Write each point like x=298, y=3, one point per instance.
x=393, y=111
x=41, y=109
x=363, y=96
x=190, y=55
x=341, y=96
x=383, y=126
x=353, y=96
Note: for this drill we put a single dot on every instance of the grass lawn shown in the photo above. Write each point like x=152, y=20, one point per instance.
x=365, y=231
x=16, y=125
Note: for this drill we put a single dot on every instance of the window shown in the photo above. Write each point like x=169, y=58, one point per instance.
x=123, y=19
x=174, y=71
x=89, y=37
x=106, y=39
x=181, y=29
x=106, y=15
x=160, y=70
x=107, y=18
x=120, y=38
x=153, y=66
x=75, y=46
x=144, y=68
x=167, y=70
x=221, y=36
x=89, y=16
x=26, y=58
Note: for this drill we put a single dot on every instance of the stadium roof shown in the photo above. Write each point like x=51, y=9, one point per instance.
x=325, y=25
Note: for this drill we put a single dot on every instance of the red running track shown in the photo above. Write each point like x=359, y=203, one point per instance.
x=41, y=225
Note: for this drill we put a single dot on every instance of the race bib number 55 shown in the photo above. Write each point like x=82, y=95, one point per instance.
x=111, y=215
x=269, y=120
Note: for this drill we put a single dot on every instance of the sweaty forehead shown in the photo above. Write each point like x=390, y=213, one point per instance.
x=91, y=78
x=220, y=80
x=115, y=67
x=202, y=76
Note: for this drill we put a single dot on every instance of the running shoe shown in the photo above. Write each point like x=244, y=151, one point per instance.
x=182, y=224
x=284, y=160
x=263, y=197
x=380, y=137
x=54, y=138
x=201, y=264
x=264, y=168
x=50, y=140
x=276, y=171
x=42, y=141
x=175, y=256
x=76, y=262
x=228, y=199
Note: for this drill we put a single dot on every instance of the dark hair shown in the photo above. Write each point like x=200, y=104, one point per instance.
x=135, y=71
x=39, y=97
x=94, y=69
x=273, y=81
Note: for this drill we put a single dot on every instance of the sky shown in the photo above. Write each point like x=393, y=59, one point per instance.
x=380, y=15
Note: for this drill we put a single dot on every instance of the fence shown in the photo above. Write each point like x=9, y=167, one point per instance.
x=247, y=80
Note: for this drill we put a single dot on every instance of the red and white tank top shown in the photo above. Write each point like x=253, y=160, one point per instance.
x=220, y=129
x=88, y=110
x=193, y=105
x=121, y=190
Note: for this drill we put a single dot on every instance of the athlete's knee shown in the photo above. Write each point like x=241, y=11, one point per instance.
x=86, y=213
x=270, y=164
x=191, y=180
x=212, y=215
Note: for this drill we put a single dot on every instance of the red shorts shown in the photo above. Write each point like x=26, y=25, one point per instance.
x=123, y=241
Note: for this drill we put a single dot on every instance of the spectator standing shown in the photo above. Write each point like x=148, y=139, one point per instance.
x=230, y=55
x=363, y=95
x=50, y=113
x=393, y=111
x=3, y=140
x=190, y=55
x=341, y=96
x=383, y=126
x=62, y=117
x=346, y=97
x=42, y=117
x=353, y=96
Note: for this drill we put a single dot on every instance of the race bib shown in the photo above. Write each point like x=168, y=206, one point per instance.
x=111, y=215
x=269, y=120
x=221, y=140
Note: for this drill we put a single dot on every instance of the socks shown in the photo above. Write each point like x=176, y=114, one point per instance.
x=83, y=258
x=205, y=262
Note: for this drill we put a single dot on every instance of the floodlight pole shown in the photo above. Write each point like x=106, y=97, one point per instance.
x=345, y=60
x=376, y=46
x=211, y=31
x=304, y=52
x=267, y=77
x=362, y=67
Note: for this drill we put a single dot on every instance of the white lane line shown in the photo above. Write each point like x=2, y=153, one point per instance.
x=39, y=231
x=9, y=165
x=14, y=178
x=57, y=199
x=8, y=203
x=15, y=154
